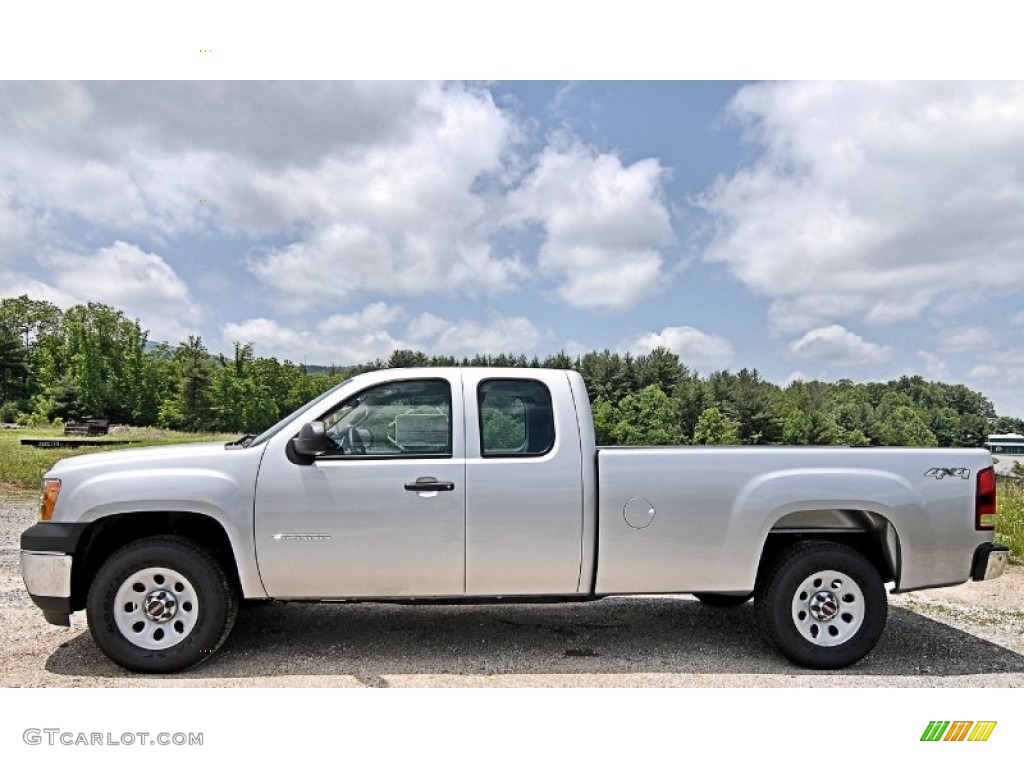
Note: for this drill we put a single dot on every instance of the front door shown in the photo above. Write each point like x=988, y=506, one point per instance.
x=381, y=514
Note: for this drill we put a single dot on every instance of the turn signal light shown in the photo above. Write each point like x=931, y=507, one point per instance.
x=985, y=501
x=47, y=499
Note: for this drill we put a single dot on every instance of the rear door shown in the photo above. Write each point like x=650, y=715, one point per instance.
x=524, y=504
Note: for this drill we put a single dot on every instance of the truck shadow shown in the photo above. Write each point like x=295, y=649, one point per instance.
x=614, y=636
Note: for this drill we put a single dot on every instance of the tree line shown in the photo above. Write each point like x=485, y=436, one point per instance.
x=91, y=361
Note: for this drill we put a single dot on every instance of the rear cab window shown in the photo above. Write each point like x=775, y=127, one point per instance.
x=516, y=418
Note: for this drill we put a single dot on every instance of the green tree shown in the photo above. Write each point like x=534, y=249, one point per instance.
x=103, y=354
x=609, y=375
x=648, y=417
x=38, y=327
x=407, y=358
x=606, y=416
x=692, y=397
x=715, y=428
x=559, y=360
x=190, y=407
x=904, y=426
x=756, y=405
x=855, y=439
x=660, y=367
x=14, y=369
x=797, y=427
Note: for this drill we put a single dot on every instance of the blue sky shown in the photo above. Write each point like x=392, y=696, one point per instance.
x=807, y=229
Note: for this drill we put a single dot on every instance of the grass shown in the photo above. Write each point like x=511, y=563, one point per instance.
x=22, y=467
x=1010, y=518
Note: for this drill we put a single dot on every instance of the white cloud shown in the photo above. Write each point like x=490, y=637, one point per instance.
x=402, y=219
x=370, y=334
x=373, y=315
x=576, y=349
x=965, y=339
x=141, y=284
x=836, y=345
x=140, y=155
x=875, y=201
x=983, y=372
x=696, y=349
x=1003, y=384
x=342, y=261
x=934, y=366
x=270, y=338
x=515, y=335
x=374, y=186
x=17, y=284
x=17, y=229
x=794, y=377
x=605, y=224
x=426, y=326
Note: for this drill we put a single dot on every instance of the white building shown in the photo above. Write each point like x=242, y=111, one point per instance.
x=1011, y=443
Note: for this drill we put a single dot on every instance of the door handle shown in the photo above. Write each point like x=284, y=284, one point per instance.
x=427, y=484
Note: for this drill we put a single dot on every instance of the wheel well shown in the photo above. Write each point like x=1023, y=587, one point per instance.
x=870, y=534
x=105, y=536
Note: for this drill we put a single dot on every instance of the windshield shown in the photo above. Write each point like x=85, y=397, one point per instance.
x=269, y=433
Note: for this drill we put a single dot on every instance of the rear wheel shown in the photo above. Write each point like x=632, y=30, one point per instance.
x=160, y=605
x=823, y=604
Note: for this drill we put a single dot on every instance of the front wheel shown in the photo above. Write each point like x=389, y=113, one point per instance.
x=823, y=604
x=160, y=605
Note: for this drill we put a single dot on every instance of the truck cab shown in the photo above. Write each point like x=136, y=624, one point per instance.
x=405, y=490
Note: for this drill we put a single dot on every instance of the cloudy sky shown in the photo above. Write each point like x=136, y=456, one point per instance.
x=807, y=229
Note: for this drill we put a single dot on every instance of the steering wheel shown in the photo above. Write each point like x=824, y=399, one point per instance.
x=354, y=441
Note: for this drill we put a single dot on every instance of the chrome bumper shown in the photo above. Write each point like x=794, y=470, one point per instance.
x=989, y=561
x=47, y=577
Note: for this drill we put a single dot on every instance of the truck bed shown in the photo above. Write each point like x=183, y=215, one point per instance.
x=677, y=519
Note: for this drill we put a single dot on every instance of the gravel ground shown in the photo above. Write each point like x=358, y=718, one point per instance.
x=966, y=636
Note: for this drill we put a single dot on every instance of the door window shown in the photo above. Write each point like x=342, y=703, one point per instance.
x=399, y=418
x=516, y=418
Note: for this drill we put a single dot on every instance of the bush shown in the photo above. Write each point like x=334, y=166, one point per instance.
x=37, y=419
x=8, y=412
x=1010, y=517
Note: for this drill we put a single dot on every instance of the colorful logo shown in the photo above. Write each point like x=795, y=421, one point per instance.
x=958, y=730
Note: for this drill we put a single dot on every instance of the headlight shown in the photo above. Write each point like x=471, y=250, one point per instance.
x=47, y=499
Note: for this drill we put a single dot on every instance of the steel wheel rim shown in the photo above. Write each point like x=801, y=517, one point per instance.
x=828, y=608
x=156, y=608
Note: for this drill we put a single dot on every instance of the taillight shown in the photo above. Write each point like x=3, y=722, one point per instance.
x=985, y=501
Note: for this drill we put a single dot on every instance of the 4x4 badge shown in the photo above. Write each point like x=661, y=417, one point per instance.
x=940, y=472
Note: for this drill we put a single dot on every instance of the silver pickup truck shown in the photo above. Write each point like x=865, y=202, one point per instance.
x=481, y=484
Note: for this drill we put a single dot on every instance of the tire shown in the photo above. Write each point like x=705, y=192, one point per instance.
x=161, y=604
x=823, y=604
x=720, y=600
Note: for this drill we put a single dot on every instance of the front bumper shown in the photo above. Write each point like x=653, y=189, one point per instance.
x=989, y=561
x=47, y=578
x=46, y=567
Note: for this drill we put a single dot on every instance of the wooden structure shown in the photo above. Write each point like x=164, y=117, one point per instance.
x=87, y=428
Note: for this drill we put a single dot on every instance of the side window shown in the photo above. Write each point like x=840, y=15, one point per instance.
x=515, y=418
x=400, y=418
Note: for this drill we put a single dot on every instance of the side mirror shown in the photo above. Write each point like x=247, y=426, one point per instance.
x=312, y=439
